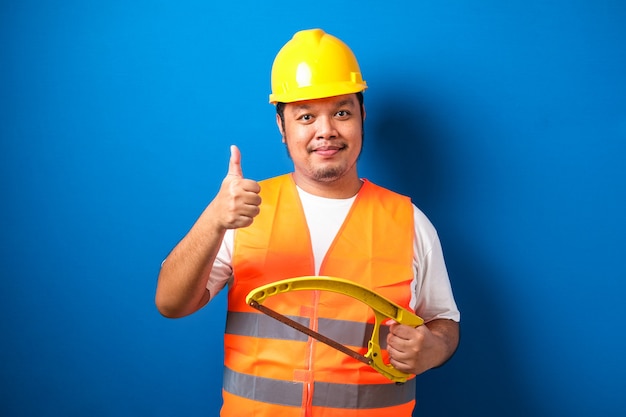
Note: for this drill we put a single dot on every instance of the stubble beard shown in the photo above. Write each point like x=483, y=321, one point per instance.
x=327, y=174
x=323, y=174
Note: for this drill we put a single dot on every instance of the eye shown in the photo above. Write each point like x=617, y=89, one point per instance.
x=343, y=114
x=305, y=117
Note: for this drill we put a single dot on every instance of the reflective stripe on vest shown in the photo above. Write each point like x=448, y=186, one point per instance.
x=348, y=333
x=326, y=394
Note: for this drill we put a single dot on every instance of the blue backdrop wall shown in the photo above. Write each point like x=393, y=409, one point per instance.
x=504, y=121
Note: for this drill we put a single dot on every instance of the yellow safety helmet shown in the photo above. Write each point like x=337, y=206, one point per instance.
x=314, y=64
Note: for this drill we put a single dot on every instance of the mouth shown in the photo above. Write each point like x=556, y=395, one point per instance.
x=328, y=151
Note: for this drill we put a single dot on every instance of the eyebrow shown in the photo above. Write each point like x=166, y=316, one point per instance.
x=342, y=103
x=346, y=102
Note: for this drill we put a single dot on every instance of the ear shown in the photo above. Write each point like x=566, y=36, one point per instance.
x=363, y=111
x=280, y=126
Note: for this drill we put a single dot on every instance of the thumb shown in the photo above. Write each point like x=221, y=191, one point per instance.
x=234, y=165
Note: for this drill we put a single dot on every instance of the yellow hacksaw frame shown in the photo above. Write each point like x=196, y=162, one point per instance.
x=383, y=309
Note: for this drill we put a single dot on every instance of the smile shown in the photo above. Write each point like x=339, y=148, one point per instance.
x=327, y=150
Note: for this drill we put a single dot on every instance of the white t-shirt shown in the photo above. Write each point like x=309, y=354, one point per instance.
x=431, y=296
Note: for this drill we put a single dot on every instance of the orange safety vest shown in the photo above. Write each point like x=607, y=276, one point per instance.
x=273, y=370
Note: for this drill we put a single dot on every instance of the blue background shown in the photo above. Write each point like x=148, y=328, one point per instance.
x=504, y=121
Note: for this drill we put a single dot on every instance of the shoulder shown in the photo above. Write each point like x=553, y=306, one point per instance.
x=375, y=188
x=276, y=181
x=385, y=197
x=422, y=222
x=274, y=186
x=426, y=236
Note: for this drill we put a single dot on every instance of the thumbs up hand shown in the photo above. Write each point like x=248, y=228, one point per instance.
x=238, y=200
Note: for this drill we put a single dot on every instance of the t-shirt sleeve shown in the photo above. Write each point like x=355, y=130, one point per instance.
x=222, y=270
x=432, y=296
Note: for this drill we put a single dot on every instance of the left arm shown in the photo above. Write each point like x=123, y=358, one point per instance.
x=416, y=350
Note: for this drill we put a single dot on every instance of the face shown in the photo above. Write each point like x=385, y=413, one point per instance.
x=324, y=138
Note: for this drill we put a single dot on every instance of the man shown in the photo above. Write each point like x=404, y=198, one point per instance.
x=322, y=219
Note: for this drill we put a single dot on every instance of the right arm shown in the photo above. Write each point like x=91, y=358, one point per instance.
x=181, y=288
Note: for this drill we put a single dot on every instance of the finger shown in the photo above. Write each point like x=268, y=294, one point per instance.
x=253, y=198
x=250, y=186
x=234, y=165
x=401, y=331
x=249, y=211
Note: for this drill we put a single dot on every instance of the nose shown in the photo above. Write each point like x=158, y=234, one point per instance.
x=326, y=128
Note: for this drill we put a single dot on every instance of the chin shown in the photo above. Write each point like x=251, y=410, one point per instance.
x=328, y=174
